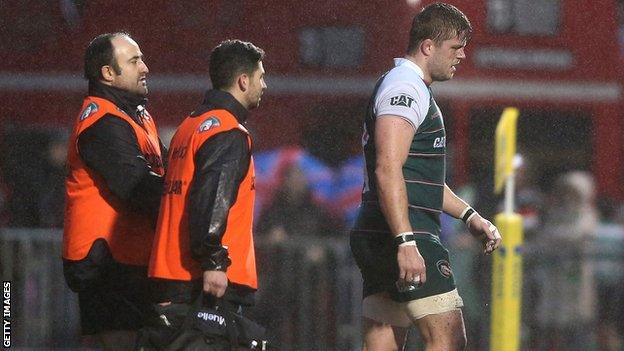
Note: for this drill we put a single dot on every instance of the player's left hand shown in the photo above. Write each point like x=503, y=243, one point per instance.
x=487, y=232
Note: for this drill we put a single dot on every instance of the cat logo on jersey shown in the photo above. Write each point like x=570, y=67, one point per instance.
x=88, y=111
x=439, y=142
x=401, y=100
x=212, y=121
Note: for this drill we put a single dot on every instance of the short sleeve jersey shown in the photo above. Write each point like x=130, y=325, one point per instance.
x=403, y=93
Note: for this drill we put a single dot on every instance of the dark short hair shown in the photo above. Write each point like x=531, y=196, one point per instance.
x=100, y=53
x=438, y=22
x=231, y=58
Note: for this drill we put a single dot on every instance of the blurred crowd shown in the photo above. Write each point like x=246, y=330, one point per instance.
x=32, y=178
x=573, y=239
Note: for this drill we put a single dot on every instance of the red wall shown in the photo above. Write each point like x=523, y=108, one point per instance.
x=177, y=36
x=588, y=29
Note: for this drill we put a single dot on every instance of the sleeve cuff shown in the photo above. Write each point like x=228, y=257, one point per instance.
x=217, y=261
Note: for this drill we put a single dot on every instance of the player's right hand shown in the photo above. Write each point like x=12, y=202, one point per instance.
x=411, y=264
x=215, y=283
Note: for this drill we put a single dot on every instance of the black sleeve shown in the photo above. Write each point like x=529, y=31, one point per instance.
x=109, y=147
x=164, y=154
x=221, y=164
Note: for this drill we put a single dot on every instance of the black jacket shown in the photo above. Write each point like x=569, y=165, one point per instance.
x=109, y=147
x=221, y=164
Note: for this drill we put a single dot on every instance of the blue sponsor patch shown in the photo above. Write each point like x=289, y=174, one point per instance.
x=88, y=111
x=212, y=121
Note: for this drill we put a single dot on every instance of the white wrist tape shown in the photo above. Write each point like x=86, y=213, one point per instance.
x=406, y=243
x=471, y=217
x=494, y=231
x=467, y=214
x=461, y=216
x=402, y=234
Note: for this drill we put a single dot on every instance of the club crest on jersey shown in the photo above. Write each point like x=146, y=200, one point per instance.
x=444, y=267
x=401, y=100
x=88, y=111
x=212, y=121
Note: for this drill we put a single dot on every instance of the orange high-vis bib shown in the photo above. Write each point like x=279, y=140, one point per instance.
x=171, y=255
x=91, y=210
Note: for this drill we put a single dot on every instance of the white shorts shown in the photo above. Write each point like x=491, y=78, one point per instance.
x=380, y=308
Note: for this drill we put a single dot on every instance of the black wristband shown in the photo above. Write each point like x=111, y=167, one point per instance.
x=467, y=215
x=404, y=238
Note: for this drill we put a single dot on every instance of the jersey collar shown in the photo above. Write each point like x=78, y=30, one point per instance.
x=408, y=63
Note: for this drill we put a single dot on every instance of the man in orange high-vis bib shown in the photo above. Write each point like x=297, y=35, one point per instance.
x=113, y=193
x=204, y=236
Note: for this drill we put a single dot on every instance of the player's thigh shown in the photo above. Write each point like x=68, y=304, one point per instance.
x=384, y=323
x=382, y=309
x=443, y=331
x=379, y=336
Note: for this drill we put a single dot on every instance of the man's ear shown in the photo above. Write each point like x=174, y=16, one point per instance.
x=426, y=47
x=243, y=82
x=108, y=73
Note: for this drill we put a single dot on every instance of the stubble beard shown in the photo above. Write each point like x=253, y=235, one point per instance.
x=255, y=102
x=441, y=77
